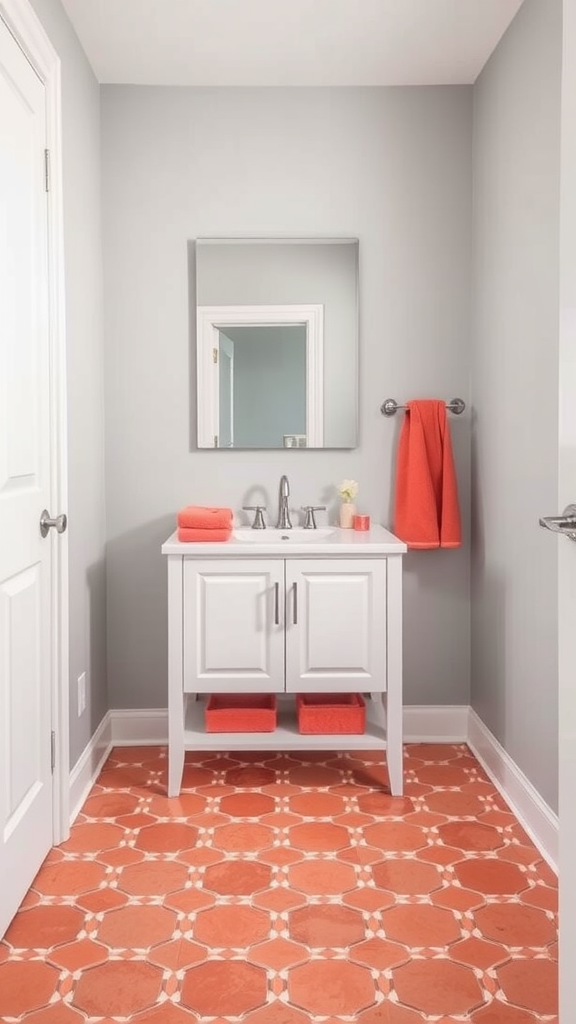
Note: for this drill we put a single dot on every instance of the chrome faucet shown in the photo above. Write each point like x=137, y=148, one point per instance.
x=283, y=513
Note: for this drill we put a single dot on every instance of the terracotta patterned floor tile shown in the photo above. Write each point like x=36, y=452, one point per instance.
x=279, y=900
x=390, y=1013
x=476, y=952
x=319, y=926
x=437, y=986
x=501, y=1013
x=278, y=954
x=166, y=837
x=237, y=877
x=455, y=897
x=178, y=954
x=59, y=1013
x=110, y=805
x=135, y=927
x=43, y=927
x=408, y=877
x=76, y=956
x=318, y=837
x=240, y=838
x=420, y=925
x=369, y=899
x=317, y=805
x=322, y=878
x=470, y=836
x=379, y=954
x=246, y=805
x=236, y=927
x=331, y=986
x=153, y=878
x=69, y=878
x=492, y=877
x=275, y=883
x=277, y=1013
x=224, y=987
x=541, y=896
x=25, y=985
x=118, y=988
x=92, y=837
x=514, y=924
x=531, y=984
x=101, y=900
x=394, y=836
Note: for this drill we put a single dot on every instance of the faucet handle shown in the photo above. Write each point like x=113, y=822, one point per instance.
x=259, y=523
x=310, y=519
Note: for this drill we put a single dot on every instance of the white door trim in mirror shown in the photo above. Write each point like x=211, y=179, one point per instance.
x=208, y=321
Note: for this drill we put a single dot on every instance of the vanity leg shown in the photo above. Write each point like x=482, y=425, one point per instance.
x=176, y=746
x=394, y=724
x=176, y=695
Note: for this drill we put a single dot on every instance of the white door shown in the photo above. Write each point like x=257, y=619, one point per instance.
x=335, y=626
x=566, y=547
x=25, y=557
x=233, y=626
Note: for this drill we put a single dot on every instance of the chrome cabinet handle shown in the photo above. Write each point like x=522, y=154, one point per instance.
x=295, y=618
x=276, y=604
x=565, y=524
x=46, y=523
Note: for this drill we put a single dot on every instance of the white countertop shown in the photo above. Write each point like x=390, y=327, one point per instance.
x=376, y=541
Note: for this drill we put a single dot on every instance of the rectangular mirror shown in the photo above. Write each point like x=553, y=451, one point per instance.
x=277, y=343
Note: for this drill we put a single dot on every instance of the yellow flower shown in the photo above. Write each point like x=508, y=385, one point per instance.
x=348, y=489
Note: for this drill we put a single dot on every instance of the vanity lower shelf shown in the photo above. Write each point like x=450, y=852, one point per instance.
x=286, y=736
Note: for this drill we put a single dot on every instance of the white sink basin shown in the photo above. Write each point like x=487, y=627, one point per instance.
x=296, y=535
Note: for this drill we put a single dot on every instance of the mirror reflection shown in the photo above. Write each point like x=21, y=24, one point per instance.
x=277, y=343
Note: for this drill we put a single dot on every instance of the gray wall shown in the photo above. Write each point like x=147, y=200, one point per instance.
x=269, y=384
x=515, y=391
x=391, y=167
x=253, y=274
x=85, y=365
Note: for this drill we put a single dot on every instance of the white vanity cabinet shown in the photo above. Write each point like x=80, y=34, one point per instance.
x=316, y=617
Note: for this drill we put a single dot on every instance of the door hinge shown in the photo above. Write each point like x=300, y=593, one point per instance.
x=47, y=170
x=215, y=355
x=52, y=751
x=215, y=440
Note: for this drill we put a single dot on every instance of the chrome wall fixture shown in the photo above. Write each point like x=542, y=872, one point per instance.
x=390, y=406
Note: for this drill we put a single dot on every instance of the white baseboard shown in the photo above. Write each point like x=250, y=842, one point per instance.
x=533, y=813
x=426, y=723
x=139, y=727
x=422, y=723
x=87, y=767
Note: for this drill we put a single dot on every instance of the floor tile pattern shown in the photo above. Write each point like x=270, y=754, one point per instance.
x=285, y=889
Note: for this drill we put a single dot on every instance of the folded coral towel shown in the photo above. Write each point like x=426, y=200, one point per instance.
x=427, y=513
x=195, y=517
x=202, y=535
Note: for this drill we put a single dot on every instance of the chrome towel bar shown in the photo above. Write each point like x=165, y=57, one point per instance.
x=390, y=406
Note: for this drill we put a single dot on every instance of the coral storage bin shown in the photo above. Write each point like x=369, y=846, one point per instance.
x=245, y=712
x=330, y=713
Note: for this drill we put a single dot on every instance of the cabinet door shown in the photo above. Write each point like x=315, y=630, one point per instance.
x=336, y=625
x=233, y=625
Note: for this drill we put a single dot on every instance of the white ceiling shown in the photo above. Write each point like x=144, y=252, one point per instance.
x=289, y=42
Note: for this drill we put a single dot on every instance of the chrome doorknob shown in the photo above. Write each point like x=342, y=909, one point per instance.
x=46, y=523
x=565, y=524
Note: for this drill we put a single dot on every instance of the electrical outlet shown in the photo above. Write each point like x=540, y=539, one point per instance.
x=81, y=694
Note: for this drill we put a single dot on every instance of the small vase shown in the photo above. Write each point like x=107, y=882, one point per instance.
x=347, y=513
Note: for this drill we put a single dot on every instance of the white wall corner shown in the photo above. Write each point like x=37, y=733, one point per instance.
x=139, y=726
x=88, y=766
x=532, y=811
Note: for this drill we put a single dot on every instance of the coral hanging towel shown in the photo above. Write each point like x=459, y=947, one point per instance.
x=427, y=513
